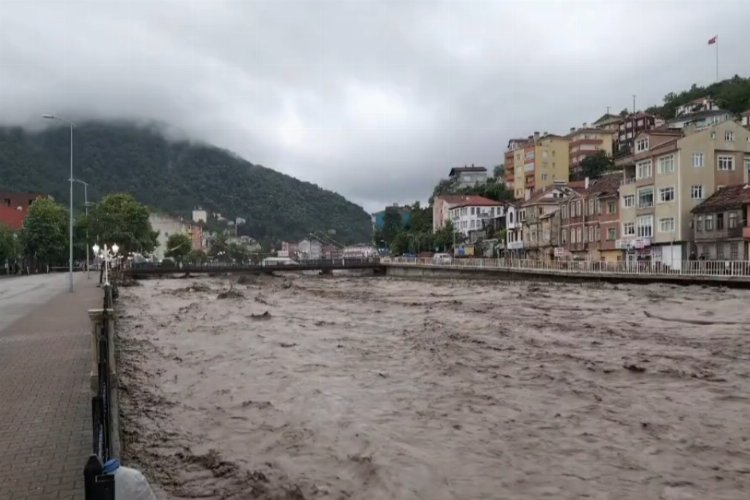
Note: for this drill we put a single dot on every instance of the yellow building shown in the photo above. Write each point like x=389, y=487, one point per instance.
x=538, y=162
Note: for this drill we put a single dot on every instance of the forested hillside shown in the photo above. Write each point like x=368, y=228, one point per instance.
x=175, y=176
x=732, y=94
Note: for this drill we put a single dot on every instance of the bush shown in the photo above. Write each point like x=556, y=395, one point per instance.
x=167, y=263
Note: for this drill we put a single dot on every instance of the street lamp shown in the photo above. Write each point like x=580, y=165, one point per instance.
x=70, y=213
x=107, y=255
x=86, y=207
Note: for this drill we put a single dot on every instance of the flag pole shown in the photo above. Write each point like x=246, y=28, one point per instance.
x=717, y=59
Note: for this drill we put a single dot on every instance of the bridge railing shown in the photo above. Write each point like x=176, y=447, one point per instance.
x=335, y=263
x=99, y=485
x=723, y=268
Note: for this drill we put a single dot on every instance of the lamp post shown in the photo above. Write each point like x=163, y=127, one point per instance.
x=70, y=213
x=107, y=255
x=86, y=208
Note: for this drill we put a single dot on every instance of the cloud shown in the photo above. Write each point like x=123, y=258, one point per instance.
x=373, y=99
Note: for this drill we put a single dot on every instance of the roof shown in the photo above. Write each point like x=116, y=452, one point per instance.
x=700, y=114
x=477, y=201
x=12, y=217
x=608, y=118
x=458, y=170
x=589, y=130
x=606, y=184
x=566, y=189
x=726, y=198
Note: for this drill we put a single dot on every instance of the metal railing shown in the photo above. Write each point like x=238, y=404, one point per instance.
x=99, y=485
x=717, y=268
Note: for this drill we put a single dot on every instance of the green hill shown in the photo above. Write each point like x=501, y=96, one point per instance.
x=175, y=176
x=732, y=94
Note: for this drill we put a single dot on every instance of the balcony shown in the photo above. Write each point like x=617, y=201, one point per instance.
x=746, y=232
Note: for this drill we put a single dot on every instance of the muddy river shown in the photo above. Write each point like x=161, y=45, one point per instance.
x=302, y=387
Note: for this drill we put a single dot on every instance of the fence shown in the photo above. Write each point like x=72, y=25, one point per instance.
x=720, y=268
x=97, y=483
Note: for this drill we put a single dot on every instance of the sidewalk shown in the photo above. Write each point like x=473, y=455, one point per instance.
x=45, y=397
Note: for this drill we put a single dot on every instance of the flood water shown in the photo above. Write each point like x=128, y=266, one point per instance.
x=374, y=388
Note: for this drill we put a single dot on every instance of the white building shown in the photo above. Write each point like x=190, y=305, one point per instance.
x=200, y=215
x=167, y=226
x=310, y=249
x=514, y=235
x=468, y=176
x=471, y=214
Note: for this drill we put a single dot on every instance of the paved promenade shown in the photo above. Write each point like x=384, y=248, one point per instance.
x=45, y=399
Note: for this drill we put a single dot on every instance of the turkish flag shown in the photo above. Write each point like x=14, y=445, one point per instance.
x=713, y=40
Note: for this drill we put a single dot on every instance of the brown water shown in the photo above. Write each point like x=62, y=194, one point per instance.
x=372, y=388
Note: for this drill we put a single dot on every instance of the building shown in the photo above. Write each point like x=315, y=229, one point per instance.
x=721, y=225
x=378, y=218
x=537, y=163
x=585, y=142
x=14, y=207
x=442, y=204
x=465, y=176
x=589, y=221
x=513, y=235
x=630, y=126
x=699, y=105
x=700, y=119
x=168, y=225
x=540, y=227
x=608, y=122
x=474, y=213
x=200, y=215
x=745, y=118
x=669, y=174
x=310, y=249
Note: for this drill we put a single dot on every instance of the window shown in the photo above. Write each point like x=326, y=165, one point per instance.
x=666, y=225
x=628, y=229
x=699, y=224
x=719, y=251
x=734, y=251
x=611, y=233
x=628, y=201
x=641, y=145
x=472, y=210
x=591, y=207
x=597, y=234
x=666, y=194
x=719, y=221
x=747, y=166
x=666, y=164
x=733, y=220
x=591, y=233
x=643, y=170
x=564, y=236
x=612, y=207
x=697, y=160
x=646, y=197
x=726, y=162
x=696, y=192
x=544, y=177
x=729, y=136
x=644, y=226
x=709, y=223
x=579, y=237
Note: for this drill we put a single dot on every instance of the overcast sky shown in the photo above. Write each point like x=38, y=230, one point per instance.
x=376, y=100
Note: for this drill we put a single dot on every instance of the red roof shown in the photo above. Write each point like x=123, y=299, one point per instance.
x=12, y=218
x=726, y=198
x=478, y=201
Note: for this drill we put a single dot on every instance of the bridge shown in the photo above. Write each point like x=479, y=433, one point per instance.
x=323, y=265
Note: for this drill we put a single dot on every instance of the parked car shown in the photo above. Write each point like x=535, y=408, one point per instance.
x=442, y=258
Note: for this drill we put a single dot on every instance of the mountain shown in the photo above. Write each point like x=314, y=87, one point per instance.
x=175, y=176
x=732, y=94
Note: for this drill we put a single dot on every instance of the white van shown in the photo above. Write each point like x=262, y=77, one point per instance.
x=442, y=258
x=278, y=261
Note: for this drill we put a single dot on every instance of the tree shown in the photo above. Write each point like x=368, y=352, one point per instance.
x=178, y=246
x=45, y=233
x=238, y=253
x=197, y=257
x=499, y=172
x=120, y=219
x=219, y=248
x=10, y=247
x=391, y=224
x=595, y=166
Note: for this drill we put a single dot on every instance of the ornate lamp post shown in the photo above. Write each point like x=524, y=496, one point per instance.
x=106, y=255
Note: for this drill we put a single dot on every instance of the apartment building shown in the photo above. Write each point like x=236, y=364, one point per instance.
x=721, y=225
x=14, y=207
x=468, y=176
x=474, y=212
x=608, y=122
x=509, y=161
x=540, y=227
x=669, y=174
x=589, y=221
x=537, y=163
x=442, y=205
x=514, y=232
x=629, y=128
x=585, y=142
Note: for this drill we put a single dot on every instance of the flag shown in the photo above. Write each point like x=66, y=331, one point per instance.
x=713, y=40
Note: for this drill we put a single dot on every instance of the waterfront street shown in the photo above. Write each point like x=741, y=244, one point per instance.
x=45, y=397
x=369, y=388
